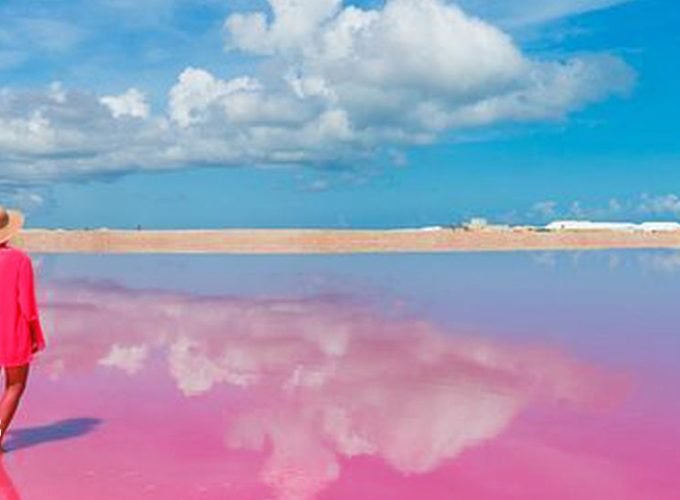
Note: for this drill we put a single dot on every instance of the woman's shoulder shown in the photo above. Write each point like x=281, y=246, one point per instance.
x=17, y=253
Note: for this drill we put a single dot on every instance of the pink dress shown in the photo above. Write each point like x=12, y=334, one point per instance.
x=18, y=308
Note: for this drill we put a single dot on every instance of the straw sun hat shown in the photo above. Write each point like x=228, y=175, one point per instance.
x=11, y=222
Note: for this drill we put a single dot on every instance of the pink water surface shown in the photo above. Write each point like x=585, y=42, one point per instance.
x=156, y=394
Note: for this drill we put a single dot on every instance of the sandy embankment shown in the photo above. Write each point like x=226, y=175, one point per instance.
x=259, y=241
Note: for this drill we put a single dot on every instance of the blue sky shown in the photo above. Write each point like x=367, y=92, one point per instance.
x=170, y=113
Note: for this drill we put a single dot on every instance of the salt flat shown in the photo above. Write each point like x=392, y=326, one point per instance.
x=306, y=241
x=368, y=377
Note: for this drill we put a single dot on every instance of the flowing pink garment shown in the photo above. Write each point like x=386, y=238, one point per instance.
x=18, y=308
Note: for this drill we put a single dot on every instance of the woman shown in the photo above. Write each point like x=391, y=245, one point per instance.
x=21, y=334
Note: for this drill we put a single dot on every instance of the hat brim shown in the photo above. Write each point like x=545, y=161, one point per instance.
x=16, y=222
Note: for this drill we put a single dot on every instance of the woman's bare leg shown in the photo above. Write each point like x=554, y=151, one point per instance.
x=15, y=383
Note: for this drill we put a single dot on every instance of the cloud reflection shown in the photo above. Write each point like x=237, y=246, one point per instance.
x=668, y=262
x=326, y=378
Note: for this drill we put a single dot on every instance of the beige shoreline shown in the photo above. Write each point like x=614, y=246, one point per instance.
x=310, y=241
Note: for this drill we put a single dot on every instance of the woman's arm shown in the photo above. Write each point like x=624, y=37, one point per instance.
x=29, y=304
x=37, y=339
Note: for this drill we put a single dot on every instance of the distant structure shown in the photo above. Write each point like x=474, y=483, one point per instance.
x=422, y=228
x=584, y=225
x=660, y=226
x=478, y=223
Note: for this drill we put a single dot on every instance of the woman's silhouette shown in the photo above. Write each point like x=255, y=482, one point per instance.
x=21, y=334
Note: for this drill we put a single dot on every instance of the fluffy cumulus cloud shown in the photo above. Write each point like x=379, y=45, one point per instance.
x=61, y=133
x=414, y=69
x=338, y=84
x=131, y=103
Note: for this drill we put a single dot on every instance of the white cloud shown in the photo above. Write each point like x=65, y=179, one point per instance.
x=550, y=210
x=200, y=98
x=23, y=37
x=645, y=205
x=416, y=68
x=60, y=133
x=49, y=35
x=668, y=204
x=21, y=197
x=131, y=103
x=339, y=85
x=545, y=208
x=612, y=208
x=294, y=24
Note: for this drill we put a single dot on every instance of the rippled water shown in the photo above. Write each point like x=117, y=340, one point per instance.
x=514, y=376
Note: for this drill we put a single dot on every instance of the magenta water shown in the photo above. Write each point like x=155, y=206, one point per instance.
x=514, y=376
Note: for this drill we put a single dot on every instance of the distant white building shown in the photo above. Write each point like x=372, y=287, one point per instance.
x=653, y=227
x=584, y=225
x=478, y=223
x=422, y=228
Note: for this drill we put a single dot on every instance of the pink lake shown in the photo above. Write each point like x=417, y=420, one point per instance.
x=516, y=376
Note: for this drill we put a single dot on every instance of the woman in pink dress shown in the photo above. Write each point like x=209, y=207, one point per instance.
x=21, y=334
